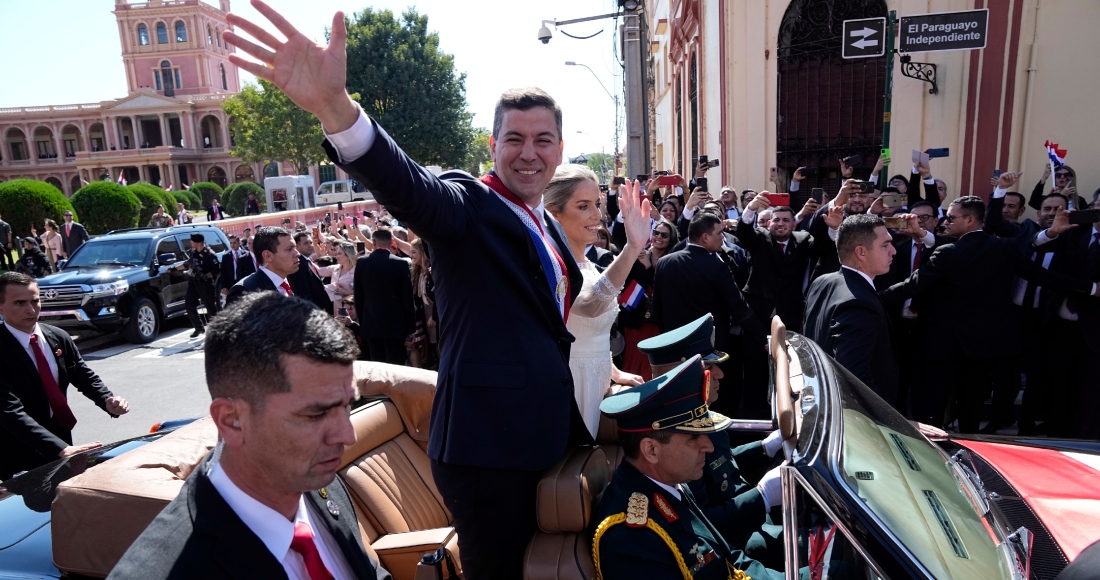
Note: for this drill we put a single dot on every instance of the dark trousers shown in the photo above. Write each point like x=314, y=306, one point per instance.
x=5, y=257
x=200, y=290
x=387, y=350
x=967, y=380
x=1074, y=385
x=494, y=516
x=909, y=337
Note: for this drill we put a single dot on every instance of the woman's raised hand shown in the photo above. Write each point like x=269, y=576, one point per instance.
x=635, y=211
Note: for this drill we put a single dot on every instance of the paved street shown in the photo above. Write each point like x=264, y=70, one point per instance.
x=162, y=380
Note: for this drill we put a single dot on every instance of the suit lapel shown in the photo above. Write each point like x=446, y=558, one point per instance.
x=340, y=520
x=55, y=347
x=12, y=345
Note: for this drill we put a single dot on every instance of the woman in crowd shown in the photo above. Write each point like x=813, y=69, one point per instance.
x=669, y=211
x=603, y=240
x=573, y=197
x=343, y=274
x=635, y=316
x=52, y=245
x=34, y=262
x=421, y=345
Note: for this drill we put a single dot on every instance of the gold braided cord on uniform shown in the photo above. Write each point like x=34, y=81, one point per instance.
x=620, y=518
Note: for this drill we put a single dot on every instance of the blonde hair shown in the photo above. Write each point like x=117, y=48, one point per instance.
x=565, y=182
x=349, y=251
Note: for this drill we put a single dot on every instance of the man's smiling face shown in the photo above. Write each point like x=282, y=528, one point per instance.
x=527, y=151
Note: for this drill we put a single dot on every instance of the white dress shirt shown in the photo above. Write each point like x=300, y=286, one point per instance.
x=276, y=532
x=674, y=491
x=869, y=280
x=276, y=279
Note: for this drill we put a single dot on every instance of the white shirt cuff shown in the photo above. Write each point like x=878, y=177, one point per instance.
x=832, y=234
x=873, y=179
x=795, y=186
x=688, y=213
x=929, y=239
x=999, y=193
x=1043, y=238
x=353, y=142
x=929, y=181
x=749, y=216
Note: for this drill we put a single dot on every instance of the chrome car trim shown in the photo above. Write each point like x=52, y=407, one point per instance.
x=174, y=304
x=79, y=314
x=790, y=520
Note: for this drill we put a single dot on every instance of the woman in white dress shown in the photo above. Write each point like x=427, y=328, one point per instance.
x=574, y=198
x=342, y=274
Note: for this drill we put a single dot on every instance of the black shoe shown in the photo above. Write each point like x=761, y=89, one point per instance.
x=197, y=332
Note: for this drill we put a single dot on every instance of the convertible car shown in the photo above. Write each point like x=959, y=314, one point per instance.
x=866, y=494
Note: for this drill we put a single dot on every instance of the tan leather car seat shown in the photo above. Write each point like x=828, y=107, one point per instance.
x=607, y=436
x=567, y=496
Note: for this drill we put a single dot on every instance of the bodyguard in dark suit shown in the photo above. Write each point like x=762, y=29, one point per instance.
x=39, y=362
x=266, y=502
x=974, y=336
x=844, y=315
x=236, y=265
x=73, y=235
x=306, y=282
x=277, y=256
x=384, y=301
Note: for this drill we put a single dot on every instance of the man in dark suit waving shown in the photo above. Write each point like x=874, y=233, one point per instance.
x=266, y=502
x=39, y=362
x=844, y=315
x=504, y=403
x=384, y=301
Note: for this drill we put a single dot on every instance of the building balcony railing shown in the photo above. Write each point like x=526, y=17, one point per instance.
x=19, y=162
x=146, y=152
x=57, y=108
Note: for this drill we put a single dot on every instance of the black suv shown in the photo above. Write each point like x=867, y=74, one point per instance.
x=122, y=281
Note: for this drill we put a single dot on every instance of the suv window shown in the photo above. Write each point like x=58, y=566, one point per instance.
x=169, y=246
x=213, y=241
x=110, y=251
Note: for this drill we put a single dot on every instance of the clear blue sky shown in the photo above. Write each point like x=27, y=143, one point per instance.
x=59, y=52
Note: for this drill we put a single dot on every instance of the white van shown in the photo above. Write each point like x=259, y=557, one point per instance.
x=344, y=191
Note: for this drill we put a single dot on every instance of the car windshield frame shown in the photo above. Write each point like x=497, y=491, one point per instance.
x=946, y=534
x=106, y=252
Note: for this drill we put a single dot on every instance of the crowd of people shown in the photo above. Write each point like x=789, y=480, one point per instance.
x=39, y=254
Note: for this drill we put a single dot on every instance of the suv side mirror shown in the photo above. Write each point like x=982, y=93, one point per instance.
x=165, y=259
x=61, y=264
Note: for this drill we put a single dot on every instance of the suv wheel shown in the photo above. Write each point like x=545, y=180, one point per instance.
x=144, y=323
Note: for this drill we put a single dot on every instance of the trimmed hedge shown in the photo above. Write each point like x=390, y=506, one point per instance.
x=207, y=192
x=106, y=206
x=24, y=202
x=175, y=197
x=150, y=197
x=192, y=201
x=235, y=197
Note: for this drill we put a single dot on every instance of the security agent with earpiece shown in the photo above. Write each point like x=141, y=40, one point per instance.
x=734, y=492
x=202, y=269
x=649, y=523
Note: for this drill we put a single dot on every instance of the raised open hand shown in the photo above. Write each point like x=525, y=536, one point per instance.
x=834, y=217
x=635, y=211
x=313, y=76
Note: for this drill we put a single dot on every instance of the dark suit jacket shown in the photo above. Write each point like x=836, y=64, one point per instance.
x=600, y=257
x=504, y=397
x=254, y=282
x=1071, y=259
x=228, y=277
x=198, y=535
x=845, y=317
x=210, y=213
x=995, y=224
x=305, y=283
x=384, y=296
x=916, y=186
x=775, y=281
x=75, y=239
x=29, y=437
x=969, y=296
x=692, y=282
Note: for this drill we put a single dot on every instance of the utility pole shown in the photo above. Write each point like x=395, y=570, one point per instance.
x=632, y=77
x=891, y=23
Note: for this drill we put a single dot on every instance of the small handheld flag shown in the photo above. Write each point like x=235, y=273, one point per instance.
x=631, y=296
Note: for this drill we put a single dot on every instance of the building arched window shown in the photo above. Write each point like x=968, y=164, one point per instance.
x=166, y=74
x=143, y=35
x=218, y=37
x=181, y=31
x=225, y=85
x=209, y=36
x=693, y=99
x=162, y=33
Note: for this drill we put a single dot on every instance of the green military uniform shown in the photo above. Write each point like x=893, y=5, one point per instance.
x=646, y=530
x=725, y=494
x=159, y=221
x=202, y=269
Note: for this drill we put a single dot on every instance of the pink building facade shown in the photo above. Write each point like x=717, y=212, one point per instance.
x=169, y=129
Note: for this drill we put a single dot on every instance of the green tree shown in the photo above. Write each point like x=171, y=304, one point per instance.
x=235, y=197
x=267, y=127
x=409, y=86
x=106, y=206
x=206, y=192
x=478, y=159
x=26, y=202
x=150, y=197
x=601, y=163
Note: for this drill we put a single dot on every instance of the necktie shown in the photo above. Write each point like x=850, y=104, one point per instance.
x=303, y=544
x=916, y=256
x=68, y=229
x=234, y=264
x=286, y=288
x=782, y=248
x=61, y=411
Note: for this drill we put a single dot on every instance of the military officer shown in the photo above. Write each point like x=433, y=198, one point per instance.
x=649, y=523
x=735, y=493
x=159, y=219
x=202, y=269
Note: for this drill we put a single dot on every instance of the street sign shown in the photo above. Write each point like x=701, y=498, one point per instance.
x=943, y=31
x=864, y=38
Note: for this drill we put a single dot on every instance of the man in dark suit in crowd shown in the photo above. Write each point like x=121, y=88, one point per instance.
x=214, y=211
x=504, y=344
x=306, y=282
x=694, y=281
x=844, y=315
x=40, y=362
x=1070, y=330
x=277, y=257
x=384, y=301
x=974, y=339
x=600, y=257
x=281, y=391
x=73, y=235
x=236, y=265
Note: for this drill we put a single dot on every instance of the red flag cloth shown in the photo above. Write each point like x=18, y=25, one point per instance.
x=61, y=411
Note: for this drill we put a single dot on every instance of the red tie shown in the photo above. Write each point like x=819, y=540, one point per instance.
x=61, y=411
x=303, y=544
x=916, y=256
x=782, y=248
x=68, y=229
x=286, y=287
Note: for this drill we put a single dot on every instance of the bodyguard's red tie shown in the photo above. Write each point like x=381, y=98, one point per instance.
x=61, y=411
x=303, y=544
x=286, y=288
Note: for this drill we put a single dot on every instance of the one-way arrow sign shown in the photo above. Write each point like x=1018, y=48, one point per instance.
x=865, y=38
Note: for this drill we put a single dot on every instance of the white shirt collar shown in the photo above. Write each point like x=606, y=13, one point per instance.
x=273, y=529
x=674, y=491
x=276, y=279
x=25, y=338
x=540, y=212
x=865, y=276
